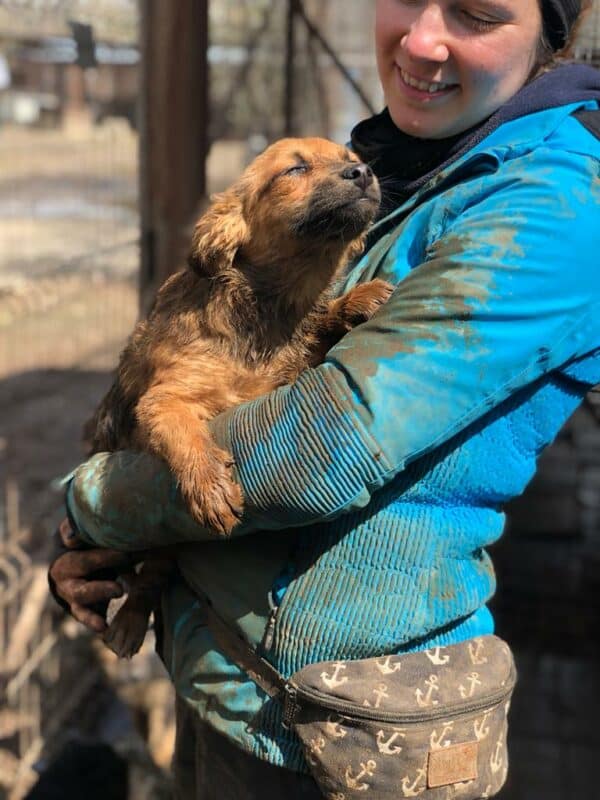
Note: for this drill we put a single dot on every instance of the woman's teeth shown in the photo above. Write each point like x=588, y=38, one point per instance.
x=423, y=86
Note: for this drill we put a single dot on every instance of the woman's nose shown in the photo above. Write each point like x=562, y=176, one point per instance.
x=427, y=38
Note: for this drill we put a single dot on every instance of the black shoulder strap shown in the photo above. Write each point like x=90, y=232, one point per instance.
x=590, y=120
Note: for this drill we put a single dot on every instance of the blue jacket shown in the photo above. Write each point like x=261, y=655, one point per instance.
x=375, y=482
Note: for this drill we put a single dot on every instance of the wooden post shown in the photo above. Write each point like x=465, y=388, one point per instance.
x=173, y=133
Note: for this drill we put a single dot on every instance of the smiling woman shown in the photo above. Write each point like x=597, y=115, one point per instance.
x=374, y=483
x=446, y=65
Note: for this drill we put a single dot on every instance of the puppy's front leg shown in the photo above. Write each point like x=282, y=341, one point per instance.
x=346, y=312
x=358, y=305
x=171, y=427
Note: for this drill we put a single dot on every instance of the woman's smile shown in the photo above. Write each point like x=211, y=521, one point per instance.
x=421, y=89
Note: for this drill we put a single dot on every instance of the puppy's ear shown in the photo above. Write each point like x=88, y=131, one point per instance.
x=218, y=235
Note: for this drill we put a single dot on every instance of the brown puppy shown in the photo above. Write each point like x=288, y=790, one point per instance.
x=252, y=311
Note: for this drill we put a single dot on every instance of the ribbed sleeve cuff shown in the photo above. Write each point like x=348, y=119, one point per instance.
x=300, y=453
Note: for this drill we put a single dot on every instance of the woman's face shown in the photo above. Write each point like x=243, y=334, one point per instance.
x=446, y=65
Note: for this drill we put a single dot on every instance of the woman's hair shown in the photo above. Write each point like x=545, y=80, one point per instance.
x=562, y=20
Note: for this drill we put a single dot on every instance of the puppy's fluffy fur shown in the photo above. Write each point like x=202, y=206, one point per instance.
x=252, y=311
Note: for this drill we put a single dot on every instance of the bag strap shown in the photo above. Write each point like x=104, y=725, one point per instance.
x=241, y=652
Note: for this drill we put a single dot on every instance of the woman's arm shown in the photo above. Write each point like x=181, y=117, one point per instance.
x=509, y=291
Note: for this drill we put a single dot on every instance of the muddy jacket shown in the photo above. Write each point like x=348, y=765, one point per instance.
x=375, y=482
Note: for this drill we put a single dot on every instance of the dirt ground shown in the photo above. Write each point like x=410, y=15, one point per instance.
x=65, y=307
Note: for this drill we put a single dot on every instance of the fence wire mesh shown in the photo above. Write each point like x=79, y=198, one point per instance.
x=69, y=260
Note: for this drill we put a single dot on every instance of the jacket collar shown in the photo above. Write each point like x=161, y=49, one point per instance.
x=518, y=134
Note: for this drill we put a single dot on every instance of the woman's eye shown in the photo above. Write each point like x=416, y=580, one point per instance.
x=479, y=23
x=297, y=169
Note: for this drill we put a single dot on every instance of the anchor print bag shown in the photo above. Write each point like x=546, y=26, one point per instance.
x=430, y=724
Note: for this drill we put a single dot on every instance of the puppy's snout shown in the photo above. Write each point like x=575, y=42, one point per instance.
x=360, y=174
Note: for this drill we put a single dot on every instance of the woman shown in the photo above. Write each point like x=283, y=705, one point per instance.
x=377, y=479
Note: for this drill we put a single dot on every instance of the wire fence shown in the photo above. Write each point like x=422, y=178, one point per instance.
x=69, y=230
x=69, y=259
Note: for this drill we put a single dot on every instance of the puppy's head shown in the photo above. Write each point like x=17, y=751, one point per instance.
x=299, y=197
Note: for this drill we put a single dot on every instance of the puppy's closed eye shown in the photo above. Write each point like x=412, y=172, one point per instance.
x=297, y=169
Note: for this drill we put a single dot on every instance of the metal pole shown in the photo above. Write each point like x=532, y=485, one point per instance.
x=173, y=133
x=290, y=59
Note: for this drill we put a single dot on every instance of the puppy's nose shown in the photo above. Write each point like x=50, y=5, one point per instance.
x=361, y=174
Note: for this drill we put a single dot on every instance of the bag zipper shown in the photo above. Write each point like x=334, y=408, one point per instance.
x=294, y=693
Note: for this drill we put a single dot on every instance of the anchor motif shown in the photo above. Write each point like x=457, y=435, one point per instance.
x=413, y=789
x=386, y=667
x=496, y=761
x=334, y=679
x=473, y=679
x=436, y=741
x=434, y=656
x=315, y=749
x=425, y=699
x=388, y=747
x=476, y=648
x=380, y=692
x=480, y=728
x=333, y=727
x=366, y=771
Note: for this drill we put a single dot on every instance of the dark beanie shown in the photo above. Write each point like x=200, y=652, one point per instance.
x=559, y=17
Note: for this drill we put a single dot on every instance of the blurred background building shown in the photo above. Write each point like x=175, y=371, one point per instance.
x=117, y=119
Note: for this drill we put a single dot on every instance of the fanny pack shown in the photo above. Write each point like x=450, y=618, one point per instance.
x=429, y=724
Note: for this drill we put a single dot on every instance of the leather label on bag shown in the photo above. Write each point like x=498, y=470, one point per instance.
x=454, y=764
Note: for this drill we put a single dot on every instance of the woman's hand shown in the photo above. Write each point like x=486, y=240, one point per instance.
x=69, y=537
x=83, y=581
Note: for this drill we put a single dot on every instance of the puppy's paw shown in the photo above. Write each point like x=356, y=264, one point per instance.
x=361, y=302
x=213, y=498
x=125, y=634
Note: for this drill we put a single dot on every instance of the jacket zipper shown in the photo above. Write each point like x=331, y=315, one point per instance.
x=267, y=639
x=294, y=694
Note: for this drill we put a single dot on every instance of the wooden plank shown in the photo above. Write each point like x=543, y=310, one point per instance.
x=173, y=133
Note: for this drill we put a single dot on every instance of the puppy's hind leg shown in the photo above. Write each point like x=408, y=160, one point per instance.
x=174, y=431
